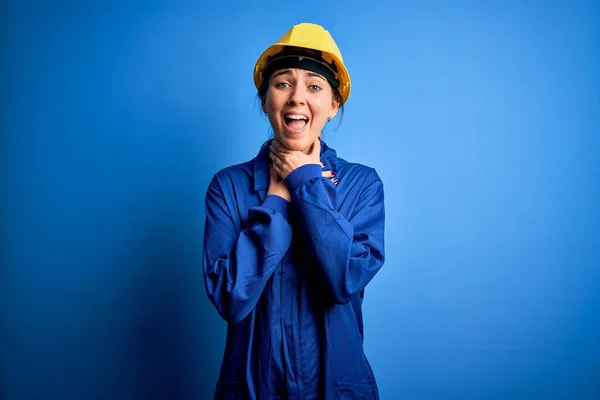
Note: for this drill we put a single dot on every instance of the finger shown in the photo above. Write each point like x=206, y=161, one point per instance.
x=327, y=174
x=278, y=173
x=272, y=173
x=275, y=161
x=276, y=150
x=335, y=181
x=279, y=147
x=276, y=157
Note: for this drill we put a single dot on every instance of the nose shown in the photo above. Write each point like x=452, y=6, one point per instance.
x=297, y=96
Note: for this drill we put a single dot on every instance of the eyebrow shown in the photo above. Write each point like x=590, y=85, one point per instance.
x=282, y=72
x=316, y=75
x=289, y=72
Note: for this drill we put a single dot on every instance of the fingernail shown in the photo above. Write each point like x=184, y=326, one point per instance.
x=323, y=164
x=332, y=172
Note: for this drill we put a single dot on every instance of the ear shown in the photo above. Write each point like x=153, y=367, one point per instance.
x=335, y=106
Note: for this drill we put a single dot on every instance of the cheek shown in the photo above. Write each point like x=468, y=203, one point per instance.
x=273, y=107
x=273, y=101
x=320, y=112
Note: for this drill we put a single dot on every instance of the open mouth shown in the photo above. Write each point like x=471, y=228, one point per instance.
x=295, y=122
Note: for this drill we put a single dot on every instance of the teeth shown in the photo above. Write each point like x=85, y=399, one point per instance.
x=296, y=116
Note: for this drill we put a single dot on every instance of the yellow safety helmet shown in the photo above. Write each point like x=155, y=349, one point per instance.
x=312, y=37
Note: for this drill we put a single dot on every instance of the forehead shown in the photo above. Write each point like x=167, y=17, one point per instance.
x=297, y=72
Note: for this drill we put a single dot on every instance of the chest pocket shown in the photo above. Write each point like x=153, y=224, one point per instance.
x=356, y=391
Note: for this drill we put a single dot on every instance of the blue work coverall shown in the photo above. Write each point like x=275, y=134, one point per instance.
x=289, y=278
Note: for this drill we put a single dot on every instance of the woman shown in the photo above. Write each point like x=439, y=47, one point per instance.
x=293, y=237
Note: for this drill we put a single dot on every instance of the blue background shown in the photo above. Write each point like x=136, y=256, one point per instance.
x=481, y=118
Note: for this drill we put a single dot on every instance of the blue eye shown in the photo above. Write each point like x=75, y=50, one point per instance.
x=315, y=88
x=282, y=85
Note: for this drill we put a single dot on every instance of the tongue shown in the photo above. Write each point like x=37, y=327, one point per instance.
x=296, y=124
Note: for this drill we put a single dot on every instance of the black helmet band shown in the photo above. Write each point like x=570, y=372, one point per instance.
x=304, y=61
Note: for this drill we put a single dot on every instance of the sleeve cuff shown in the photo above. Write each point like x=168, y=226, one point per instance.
x=303, y=174
x=277, y=203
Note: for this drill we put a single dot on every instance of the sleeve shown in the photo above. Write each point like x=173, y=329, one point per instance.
x=349, y=252
x=237, y=265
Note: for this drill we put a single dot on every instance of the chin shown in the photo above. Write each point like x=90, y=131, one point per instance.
x=296, y=143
